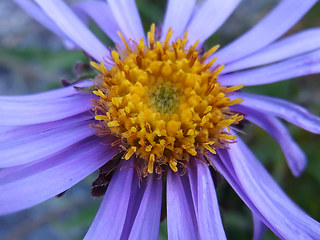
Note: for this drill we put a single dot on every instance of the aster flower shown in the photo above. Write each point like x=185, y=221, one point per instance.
x=161, y=113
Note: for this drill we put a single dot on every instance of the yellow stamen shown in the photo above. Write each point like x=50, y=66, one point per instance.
x=164, y=103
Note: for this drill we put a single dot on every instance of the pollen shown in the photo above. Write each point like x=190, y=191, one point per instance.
x=163, y=100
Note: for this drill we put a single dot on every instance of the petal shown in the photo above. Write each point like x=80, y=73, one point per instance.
x=111, y=216
x=101, y=13
x=34, y=11
x=52, y=94
x=296, y=44
x=206, y=206
x=138, y=188
x=295, y=157
x=9, y=133
x=72, y=26
x=146, y=224
x=274, y=25
x=306, y=64
x=41, y=145
x=214, y=12
x=225, y=167
x=127, y=16
x=39, y=182
x=259, y=228
x=272, y=202
x=177, y=17
x=291, y=112
x=32, y=112
x=181, y=220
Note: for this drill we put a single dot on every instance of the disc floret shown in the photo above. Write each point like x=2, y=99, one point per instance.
x=164, y=102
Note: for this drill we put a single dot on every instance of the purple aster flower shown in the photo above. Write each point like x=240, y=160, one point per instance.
x=161, y=113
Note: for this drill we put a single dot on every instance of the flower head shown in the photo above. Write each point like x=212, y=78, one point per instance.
x=161, y=112
x=164, y=103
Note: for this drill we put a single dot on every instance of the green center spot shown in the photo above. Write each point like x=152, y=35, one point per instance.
x=164, y=99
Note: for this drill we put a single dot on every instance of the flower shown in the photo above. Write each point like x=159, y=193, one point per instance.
x=161, y=113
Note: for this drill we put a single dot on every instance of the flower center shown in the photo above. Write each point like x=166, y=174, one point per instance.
x=164, y=102
x=164, y=99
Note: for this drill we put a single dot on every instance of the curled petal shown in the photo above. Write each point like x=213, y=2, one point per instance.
x=295, y=157
x=291, y=112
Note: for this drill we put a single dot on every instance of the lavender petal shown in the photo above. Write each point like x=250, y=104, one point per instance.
x=146, y=224
x=52, y=94
x=181, y=223
x=306, y=64
x=111, y=216
x=177, y=17
x=284, y=48
x=71, y=25
x=35, y=147
x=294, y=155
x=268, y=197
x=207, y=209
x=274, y=25
x=128, y=19
x=259, y=228
x=291, y=112
x=34, y=11
x=39, y=182
x=101, y=13
x=15, y=113
x=214, y=12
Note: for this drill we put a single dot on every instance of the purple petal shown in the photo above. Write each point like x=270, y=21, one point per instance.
x=112, y=213
x=39, y=182
x=181, y=220
x=177, y=17
x=291, y=112
x=146, y=224
x=268, y=197
x=259, y=228
x=295, y=157
x=138, y=188
x=52, y=94
x=306, y=64
x=206, y=205
x=9, y=133
x=72, y=26
x=127, y=16
x=275, y=24
x=43, y=144
x=101, y=13
x=226, y=169
x=280, y=50
x=32, y=112
x=214, y=12
x=34, y=11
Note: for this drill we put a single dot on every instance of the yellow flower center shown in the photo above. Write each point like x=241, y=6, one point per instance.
x=164, y=102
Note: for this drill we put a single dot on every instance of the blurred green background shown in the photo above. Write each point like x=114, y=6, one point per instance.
x=32, y=60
